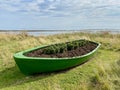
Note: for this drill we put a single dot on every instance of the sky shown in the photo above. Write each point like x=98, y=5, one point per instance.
x=59, y=14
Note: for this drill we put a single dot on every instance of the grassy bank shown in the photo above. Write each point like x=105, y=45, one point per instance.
x=102, y=72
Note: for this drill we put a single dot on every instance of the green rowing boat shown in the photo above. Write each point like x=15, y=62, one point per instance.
x=33, y=65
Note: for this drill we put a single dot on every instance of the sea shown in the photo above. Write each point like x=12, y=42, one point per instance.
x=53, y=32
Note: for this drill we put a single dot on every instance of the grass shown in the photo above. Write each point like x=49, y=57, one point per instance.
x=102, y=72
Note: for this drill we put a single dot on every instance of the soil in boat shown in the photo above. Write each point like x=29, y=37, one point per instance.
x=69, y=49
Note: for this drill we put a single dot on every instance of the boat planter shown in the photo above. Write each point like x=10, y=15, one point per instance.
x=33, y=65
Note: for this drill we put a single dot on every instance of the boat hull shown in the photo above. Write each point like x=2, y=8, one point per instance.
x=33, y=65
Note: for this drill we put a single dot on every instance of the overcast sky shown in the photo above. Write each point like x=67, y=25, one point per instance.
x=59, y=14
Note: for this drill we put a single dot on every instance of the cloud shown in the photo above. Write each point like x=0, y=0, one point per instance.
x=59, y=8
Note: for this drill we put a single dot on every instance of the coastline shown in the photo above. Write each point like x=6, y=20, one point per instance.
x=53, y=32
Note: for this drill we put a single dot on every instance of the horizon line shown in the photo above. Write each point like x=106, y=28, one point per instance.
x=46, y=30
